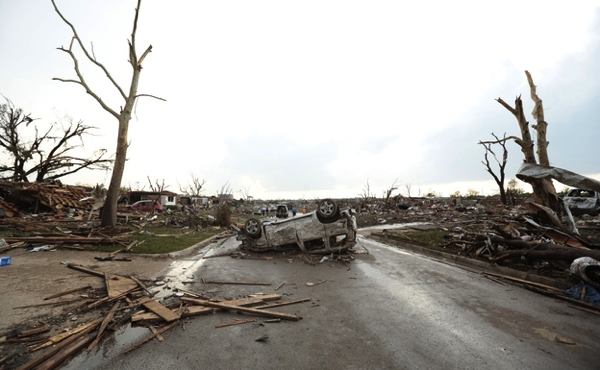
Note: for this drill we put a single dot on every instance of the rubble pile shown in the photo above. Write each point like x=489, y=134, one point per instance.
x=126, y=300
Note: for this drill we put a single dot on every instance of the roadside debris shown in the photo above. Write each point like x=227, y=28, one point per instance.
x=124, y=300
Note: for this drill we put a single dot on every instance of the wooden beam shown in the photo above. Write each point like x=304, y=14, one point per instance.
x=255, y=311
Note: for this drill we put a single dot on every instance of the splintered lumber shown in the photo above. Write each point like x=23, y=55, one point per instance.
x=60, y=337
x=68, y=292
x=66, y=353
x=235, y=282
x=150, y=337
x=52, y=351
x=104, y=324
x=280, y=285
x=186, y=312
x=243, y=301
x=159, y=309
x=236, y=322
x=284, y=303
x=228, y=306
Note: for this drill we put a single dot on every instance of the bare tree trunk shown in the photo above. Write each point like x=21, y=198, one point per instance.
x=544, y=192
x=109, y=211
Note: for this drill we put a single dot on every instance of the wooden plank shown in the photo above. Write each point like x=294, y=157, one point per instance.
x=227, y=306
x=60, y=337
x=159, y=309
x=245, y=301
x=52, y=351
x=66, y=353
x=68, y=292
x=187, y=312
x=118, y=285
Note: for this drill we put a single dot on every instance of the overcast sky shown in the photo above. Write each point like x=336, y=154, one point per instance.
x=313, y=99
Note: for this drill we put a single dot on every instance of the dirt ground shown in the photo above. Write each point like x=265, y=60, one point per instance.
x=32, y=276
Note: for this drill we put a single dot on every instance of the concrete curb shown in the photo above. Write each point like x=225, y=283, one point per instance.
x=481, y=266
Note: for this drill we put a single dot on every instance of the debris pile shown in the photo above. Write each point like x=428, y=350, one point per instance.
x=124, y=301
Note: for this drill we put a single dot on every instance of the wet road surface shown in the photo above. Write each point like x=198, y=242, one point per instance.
x=388, y=309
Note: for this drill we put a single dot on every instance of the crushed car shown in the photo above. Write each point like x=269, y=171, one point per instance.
x=583, y=201
x=326, y=230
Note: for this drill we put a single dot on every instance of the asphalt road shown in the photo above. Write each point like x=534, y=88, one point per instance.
x=386, y=310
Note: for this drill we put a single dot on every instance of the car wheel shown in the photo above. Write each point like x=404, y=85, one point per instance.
x=253, y=228
x=328, y=210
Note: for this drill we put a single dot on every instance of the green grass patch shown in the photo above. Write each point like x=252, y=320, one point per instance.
x=163, y=240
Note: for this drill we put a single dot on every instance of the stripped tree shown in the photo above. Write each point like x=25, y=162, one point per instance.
x=123, y=114
x=544, y=192
x=500, y=177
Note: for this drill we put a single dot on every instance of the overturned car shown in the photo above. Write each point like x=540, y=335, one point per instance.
x=329, y=229
x=582, y=201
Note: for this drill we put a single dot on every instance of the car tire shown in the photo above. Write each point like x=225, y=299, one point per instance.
x=327, y=211
x=253, y=228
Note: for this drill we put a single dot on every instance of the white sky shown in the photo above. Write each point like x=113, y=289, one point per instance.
x=312, y=99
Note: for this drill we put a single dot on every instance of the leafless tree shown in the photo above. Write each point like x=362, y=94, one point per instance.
x=408, y=189
x=225, y=192
x=500, y=177
x=47, y=156
x=544, y=192
x=195, y=188
x=123, y=114
x=158, y=188
x=390, y=190
x=246, y=193
x=366, y=194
